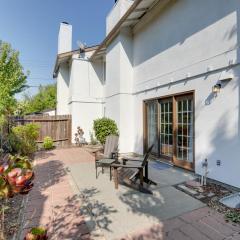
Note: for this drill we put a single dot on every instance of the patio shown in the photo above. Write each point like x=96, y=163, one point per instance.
x=69, y=200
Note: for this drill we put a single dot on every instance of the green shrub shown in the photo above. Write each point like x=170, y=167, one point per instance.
x=23, y=139
x=233, y=216
x=104, y=127
x=48, y=143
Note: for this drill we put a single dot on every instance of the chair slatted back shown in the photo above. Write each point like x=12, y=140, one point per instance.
x=111, y=145
x=146, y=156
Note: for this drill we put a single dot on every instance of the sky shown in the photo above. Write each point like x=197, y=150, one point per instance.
x=31, y=27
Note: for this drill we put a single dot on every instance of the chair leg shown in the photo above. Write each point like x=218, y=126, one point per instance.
x=102, y=170
x=96, y=171
x=141, y=176
x=110, y=173
x=115, y=173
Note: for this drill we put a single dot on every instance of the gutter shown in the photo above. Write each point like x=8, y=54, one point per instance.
x=116, y=29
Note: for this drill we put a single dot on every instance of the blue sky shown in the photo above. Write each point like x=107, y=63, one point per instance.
x=31, y=26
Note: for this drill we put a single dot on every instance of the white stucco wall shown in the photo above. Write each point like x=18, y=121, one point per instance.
x=118, y=10
x=190, y=38
x=63, y=90
x=86, y=93
x=118, y=88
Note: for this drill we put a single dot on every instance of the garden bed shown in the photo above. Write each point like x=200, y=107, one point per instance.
x=12, y=214
x=210, y=195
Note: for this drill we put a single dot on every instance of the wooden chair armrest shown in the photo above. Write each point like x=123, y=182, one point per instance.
x=132, y=160
x=135, y=159
x=125, y=166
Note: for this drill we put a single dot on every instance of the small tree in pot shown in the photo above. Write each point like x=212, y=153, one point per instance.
x=38, y=233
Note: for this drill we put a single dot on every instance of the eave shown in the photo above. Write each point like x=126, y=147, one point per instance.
x=133, y=15
x=65, y=57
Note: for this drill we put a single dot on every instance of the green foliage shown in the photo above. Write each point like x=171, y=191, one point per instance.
x=43, y=100
x=23, y=139
x=104, y=127
x=38, y=231
x=233, y=216
x=48, y=143
x=4, y=126
x=12, y=78
x=18, y=161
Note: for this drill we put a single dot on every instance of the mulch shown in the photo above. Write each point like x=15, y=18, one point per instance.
x=11, y=217
x=211, y=194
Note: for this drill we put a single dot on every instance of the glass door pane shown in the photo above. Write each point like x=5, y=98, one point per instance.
x=152, y=125
x=184, y=133
x=166, y=128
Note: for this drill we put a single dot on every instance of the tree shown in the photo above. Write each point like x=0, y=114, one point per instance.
x=46, y=98
x=12, y=78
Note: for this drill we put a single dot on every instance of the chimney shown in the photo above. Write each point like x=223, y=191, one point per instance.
x=65, y=38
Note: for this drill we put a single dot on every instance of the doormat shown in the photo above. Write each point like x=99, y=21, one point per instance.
x=160, y=165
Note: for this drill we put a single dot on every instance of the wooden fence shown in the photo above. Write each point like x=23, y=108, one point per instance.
x=58, y=127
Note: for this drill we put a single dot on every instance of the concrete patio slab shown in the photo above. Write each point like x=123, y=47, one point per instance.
x=126, y=210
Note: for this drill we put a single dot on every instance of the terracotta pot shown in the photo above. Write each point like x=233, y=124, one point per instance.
x=29, y=175
x=31, y=236
x=17, y=189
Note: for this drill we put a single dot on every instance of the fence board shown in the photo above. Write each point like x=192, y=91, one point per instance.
x=57, y=127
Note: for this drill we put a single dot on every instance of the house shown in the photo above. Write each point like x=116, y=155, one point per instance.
x=167, y=73
x=49, y=112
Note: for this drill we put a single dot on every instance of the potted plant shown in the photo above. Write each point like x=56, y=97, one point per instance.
x=37, y=233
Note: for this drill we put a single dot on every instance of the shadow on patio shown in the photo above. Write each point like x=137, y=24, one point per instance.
x=52, y=203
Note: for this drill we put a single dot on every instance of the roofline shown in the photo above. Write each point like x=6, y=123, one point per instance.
x=87, y=49
x=69, y=54
x=116, y=29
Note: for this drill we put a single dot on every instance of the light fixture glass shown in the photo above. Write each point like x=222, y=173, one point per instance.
x=216, y=89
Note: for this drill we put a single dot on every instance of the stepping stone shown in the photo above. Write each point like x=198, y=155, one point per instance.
x=214, y=199
x=187, y=189
x=193, y=183
x=200, y=196
x=200, y=189
x=211, y=194
x=224, y=191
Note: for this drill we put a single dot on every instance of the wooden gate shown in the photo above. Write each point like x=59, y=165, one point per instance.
x=58, y=127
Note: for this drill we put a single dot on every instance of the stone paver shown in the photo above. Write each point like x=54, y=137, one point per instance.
x=200, y=224
x=52, y=202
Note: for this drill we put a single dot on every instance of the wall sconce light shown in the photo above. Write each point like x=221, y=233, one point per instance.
x=216, y=89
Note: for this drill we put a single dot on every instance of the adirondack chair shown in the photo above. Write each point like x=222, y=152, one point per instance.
x=109, y=156
x=141, y=164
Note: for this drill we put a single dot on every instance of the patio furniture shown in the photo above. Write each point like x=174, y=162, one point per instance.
x=109, y=156
x=141, y=164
